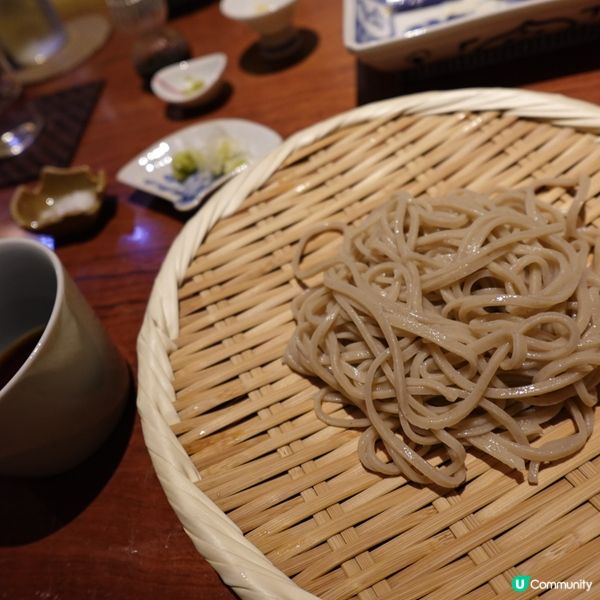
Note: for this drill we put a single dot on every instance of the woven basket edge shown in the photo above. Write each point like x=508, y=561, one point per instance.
x=213, y=534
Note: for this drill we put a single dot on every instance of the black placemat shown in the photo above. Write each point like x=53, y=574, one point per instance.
x=66, y=114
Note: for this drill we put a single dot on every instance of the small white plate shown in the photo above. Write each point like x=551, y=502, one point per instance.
x=151, y=171
x=190, y=82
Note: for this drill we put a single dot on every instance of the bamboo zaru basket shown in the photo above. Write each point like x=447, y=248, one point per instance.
x=277, y=501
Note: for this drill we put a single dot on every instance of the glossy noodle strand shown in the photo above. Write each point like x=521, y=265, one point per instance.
x=442, y=323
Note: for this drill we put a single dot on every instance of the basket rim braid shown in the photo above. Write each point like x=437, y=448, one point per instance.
x=241, y=564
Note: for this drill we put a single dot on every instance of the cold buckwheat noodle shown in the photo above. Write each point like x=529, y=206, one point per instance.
x=455, y=321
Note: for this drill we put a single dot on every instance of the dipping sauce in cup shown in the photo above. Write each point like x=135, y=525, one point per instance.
x=63, y=384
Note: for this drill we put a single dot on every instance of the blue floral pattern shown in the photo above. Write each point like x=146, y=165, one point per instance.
x=184, y=191
x=404, y=5
x=373, y=21
x=380, y=20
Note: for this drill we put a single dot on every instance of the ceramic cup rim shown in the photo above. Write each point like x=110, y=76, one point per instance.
x=50, y=324
x=229, y=8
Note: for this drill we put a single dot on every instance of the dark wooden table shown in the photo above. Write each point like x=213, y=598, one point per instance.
x=105, y=530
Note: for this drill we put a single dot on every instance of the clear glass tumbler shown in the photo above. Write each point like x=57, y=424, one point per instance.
x=155, y=44
x=20, y=122
x=31, y=31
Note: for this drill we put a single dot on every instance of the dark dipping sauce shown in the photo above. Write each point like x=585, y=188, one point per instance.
x=16, y=353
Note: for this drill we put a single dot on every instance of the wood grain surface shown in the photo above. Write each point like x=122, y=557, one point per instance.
x=105, y=530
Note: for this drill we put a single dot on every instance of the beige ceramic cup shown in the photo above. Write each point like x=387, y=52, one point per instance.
x=68, y=394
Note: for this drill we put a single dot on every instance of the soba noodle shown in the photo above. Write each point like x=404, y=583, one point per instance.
x=456, y=321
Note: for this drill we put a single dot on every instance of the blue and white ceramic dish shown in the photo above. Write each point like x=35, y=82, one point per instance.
x=152, y=170
x=401, y=34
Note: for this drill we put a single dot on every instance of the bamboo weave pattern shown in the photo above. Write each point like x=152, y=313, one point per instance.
x=293, y=485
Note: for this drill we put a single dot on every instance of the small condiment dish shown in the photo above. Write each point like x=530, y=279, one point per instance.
x=64, y=202
x=190, y=82
x=271, y=19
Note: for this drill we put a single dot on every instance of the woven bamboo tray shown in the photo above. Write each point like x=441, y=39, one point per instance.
x=276, y=500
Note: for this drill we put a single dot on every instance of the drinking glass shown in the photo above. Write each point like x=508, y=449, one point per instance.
x=20, y=122
x=155, y=45
x=30, y=31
